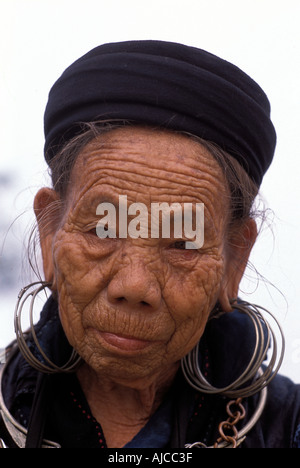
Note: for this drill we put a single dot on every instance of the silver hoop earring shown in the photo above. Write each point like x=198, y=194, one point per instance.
x=48, y=367
x=259, y=377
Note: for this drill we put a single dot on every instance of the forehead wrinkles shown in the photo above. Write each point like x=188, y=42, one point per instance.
x=172, y=164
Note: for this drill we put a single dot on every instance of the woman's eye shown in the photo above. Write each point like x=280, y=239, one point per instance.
x=181, y=245
x=92, y=231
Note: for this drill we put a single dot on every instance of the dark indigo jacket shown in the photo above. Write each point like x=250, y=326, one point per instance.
x=226, y=348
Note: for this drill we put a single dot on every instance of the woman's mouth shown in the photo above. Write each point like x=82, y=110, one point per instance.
x=124, y=343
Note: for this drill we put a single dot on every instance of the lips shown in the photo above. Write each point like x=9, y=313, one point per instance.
x=123, y=342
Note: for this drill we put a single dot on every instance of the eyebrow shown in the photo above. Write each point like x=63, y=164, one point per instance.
x=94, y=199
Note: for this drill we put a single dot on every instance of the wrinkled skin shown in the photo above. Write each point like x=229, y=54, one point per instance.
x=132, y=308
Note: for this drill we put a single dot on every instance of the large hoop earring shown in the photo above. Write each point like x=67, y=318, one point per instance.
x=259, y=377
x=48, y=367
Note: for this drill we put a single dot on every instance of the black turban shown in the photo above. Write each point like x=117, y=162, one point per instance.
x=165, y=85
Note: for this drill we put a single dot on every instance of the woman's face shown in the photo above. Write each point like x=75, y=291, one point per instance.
x=133, y=307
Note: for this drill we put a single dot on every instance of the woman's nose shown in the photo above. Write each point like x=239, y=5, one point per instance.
x=135, y=286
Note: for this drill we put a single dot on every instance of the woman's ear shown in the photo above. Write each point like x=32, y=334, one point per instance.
x=47, y=211
x=237, y=256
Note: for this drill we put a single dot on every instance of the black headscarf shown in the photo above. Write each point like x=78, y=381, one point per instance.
x=165, y=85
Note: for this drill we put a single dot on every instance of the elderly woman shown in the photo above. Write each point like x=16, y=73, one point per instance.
x=143, y=341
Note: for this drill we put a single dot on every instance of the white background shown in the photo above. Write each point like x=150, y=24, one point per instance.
x=40, y=38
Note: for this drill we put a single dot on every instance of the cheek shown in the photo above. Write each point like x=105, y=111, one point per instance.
x=78, y=269
x=79, y=276
x=191, y=297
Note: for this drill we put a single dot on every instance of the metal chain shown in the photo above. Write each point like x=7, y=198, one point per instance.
x=227, y=429
x=234, y=418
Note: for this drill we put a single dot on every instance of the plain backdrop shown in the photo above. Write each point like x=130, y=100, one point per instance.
x=40, y=38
